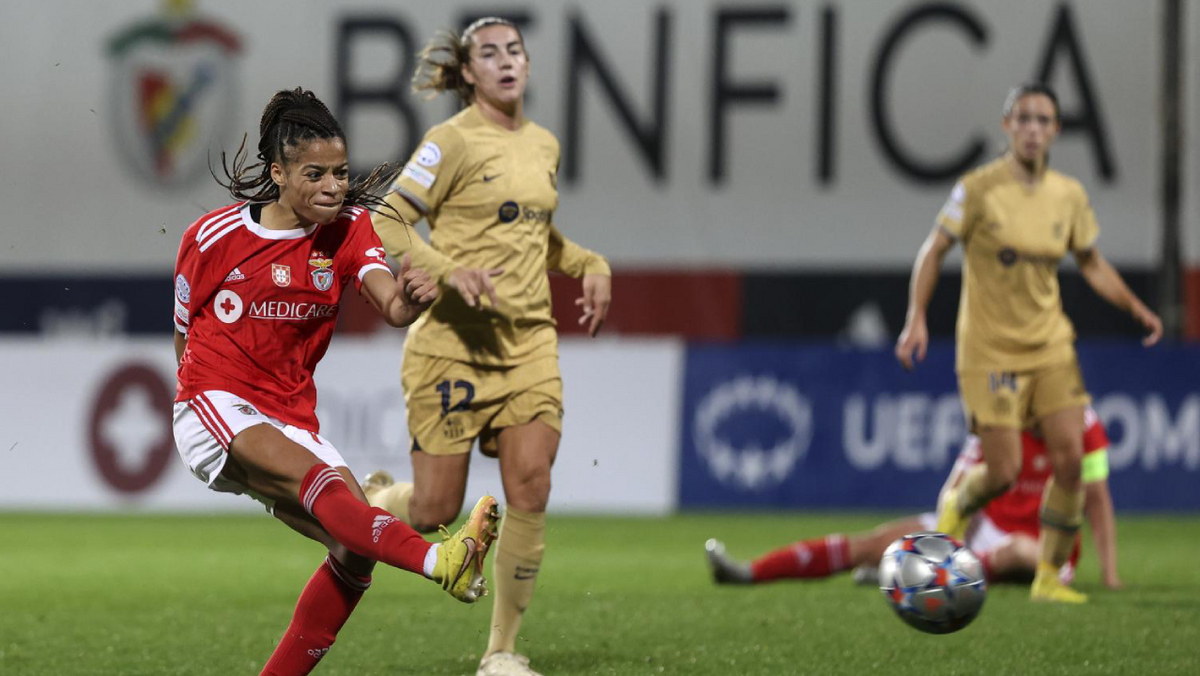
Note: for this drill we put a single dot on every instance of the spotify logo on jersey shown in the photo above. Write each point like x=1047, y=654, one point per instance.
x=509, y=211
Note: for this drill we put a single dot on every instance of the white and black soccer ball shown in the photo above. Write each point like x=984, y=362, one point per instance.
x=933, y=582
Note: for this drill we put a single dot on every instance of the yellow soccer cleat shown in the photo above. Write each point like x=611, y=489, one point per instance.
x=376, y=481
x=951, y=520
x=1047, y=587
x=460, y=557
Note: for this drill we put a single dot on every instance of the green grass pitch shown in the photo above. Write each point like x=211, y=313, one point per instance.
x=129, y=595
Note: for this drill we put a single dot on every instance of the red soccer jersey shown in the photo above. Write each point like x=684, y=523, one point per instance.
x=1017, y=509
x=259, y=306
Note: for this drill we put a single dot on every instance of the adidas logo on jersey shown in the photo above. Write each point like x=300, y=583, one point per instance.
x=381, y=521
x=235, y=276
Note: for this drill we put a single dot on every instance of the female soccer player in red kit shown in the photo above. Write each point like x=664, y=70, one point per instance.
x=257, y=285
x=1004, y=533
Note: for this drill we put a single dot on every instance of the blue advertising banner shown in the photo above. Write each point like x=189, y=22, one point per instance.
x=823, y=426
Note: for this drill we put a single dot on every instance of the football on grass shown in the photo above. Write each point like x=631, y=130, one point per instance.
x=933, y=582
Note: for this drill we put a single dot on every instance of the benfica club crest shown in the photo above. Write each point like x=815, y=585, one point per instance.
x=173, y=93
x=281, y=274
x=322, y=276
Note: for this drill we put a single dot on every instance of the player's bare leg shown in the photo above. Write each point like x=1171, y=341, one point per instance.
x=433, y=498
x=325, y=504
x=1062, y=504
x=526, y=455
x=1001, y=447
x=264, y=460
x=1014, y=560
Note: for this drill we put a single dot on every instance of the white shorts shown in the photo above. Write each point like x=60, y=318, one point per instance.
x=206, y=424
x=983, y=535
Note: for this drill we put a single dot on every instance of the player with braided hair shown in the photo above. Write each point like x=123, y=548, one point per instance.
x=257, y=286
x=482, y=364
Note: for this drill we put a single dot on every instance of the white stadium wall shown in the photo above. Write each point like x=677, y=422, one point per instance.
x=783, y=134
x=86, y=425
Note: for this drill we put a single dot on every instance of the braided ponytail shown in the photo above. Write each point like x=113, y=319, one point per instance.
x=291, y=118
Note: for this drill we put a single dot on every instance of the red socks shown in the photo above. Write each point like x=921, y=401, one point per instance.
x=324, y=606
x=333, y=591
x=819, y=557
x=365, y=530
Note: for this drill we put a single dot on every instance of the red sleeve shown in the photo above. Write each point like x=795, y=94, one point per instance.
x=364, y=251
x=198, y=266
x=187, y=272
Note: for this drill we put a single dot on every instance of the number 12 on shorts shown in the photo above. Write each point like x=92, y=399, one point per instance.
x=463, y=404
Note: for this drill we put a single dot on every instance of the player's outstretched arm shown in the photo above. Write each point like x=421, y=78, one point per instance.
x=1098, y=506
x=1107, y=283
x=597, y=296
x=400, y=300
x=914, y=339
x=567, y=257
x=400, y=239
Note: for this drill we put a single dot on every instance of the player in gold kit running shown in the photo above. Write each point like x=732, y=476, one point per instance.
x=1016, y=361
x=483, y=362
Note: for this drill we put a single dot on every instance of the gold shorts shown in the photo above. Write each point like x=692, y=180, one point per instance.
x=1019, y=399
x=451, y=403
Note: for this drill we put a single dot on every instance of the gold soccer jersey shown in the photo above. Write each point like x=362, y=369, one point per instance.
x=1010, y=315
x=489, y=196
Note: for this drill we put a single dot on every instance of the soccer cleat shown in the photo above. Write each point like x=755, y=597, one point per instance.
x=505, y=664
x=1047, y=587
x=375, y=482
x=724, y=569
x=951, y=520
x=459, y=566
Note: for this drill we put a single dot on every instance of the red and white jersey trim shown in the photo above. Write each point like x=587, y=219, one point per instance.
x=352, y=212
x=238, y=216
x=216, y=227
x=211, y=420
x=372, y=266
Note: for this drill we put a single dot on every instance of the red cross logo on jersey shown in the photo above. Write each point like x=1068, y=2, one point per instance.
x=227, y=306
x=281, y=274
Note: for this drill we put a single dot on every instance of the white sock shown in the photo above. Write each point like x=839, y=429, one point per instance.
x=431, y=560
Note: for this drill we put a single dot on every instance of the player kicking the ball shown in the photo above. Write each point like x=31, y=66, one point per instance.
x=1004, y=534
x=257, y=286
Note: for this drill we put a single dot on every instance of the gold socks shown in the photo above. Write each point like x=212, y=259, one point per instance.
x=515, y=565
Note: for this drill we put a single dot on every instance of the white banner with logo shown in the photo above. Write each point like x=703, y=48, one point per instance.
x=87, y=426
x=776, y=134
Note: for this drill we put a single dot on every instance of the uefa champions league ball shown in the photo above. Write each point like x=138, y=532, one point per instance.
x=932, y=581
